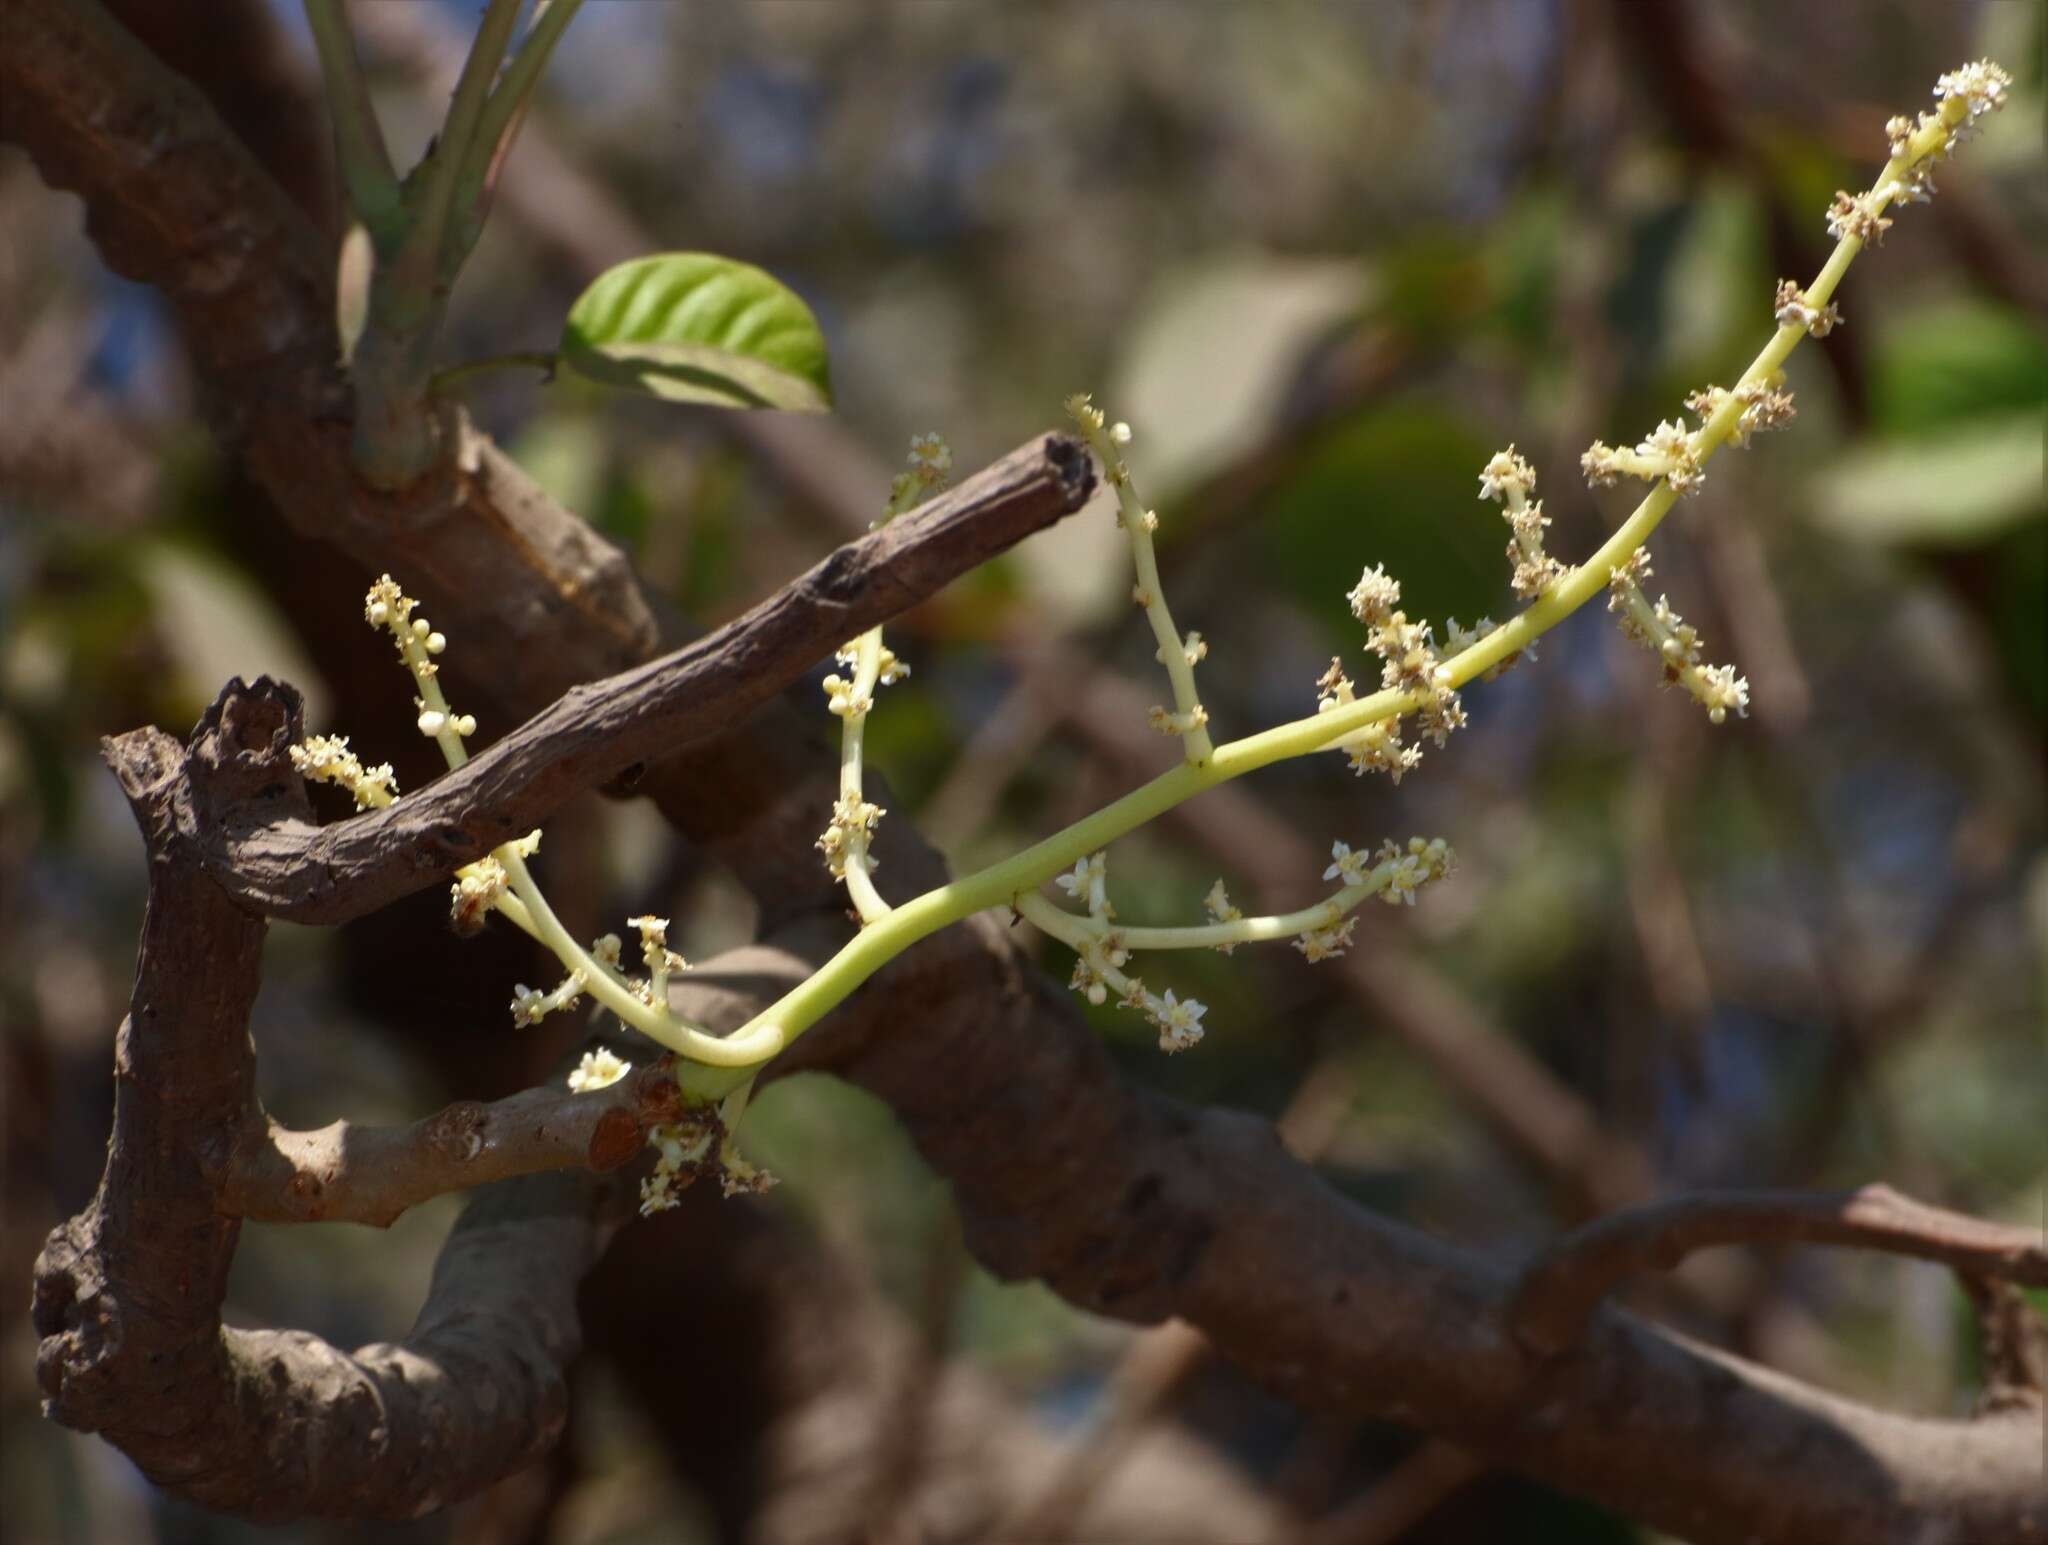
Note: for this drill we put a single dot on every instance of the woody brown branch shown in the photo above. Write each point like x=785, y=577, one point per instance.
x=348, y=1173
x=1560, y=1291
x=597, y=731
x=276, y=1423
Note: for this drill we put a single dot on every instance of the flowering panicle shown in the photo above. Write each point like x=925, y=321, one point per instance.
x=1674, y=641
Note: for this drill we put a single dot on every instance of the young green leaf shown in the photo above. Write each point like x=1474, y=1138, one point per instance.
x=693, y=327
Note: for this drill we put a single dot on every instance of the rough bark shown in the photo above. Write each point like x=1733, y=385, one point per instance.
x=276, y=1423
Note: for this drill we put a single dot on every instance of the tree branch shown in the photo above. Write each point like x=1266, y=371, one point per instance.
x=276, y=1423
x=287, y=868
x=345, y=1173
x=1561, y=1289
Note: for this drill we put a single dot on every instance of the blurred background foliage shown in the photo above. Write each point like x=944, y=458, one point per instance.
x=1325, y=259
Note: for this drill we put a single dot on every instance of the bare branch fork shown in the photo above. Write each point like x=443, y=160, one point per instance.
x=271, y=1423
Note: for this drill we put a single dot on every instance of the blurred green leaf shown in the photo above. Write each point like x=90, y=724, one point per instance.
x=692, y=327
x=1210, y=360
x=215, y=624
x=1967, y=485
x=1961, y=360
x=1399, y=486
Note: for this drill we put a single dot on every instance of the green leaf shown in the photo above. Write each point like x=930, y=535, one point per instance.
x=1965, y=486
x=692, y=327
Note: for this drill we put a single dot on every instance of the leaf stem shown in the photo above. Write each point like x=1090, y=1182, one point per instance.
x=359, y=149
x=545, y=360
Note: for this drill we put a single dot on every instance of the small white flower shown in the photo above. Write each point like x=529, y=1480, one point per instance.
x=1349, y=865
x=1180, y=1024
x=930, y=454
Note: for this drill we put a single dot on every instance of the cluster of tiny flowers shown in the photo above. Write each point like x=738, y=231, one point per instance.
x=479, y=886
x=1179, y=1021
x=853, y=822
x=680, y=1154
x=530, y=1006
x=1790, y=309
x=1095, y=425
x=1674, y=641
x=1855, y=215
x=931, y=458
x=1966, y=96
x=1408, y=663
x=1980, y=88
x=327, y=759
x=388, y=607
x=1511, y=480
x=1764, y=405
x=1375, y=748
x=1394, y=873
x=1096, y=960
x=1088, y=883
x=658, y=957
x=599, y=1069
x=1670, y=452
x=686, y=1150
x=476, y=890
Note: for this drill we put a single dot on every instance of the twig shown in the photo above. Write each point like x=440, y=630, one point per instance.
x=345, y=1173
x=1561, y=1289
x=359, y=149
x=543, y=360
x=594, y=733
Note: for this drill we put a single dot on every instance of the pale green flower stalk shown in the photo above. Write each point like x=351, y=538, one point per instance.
x=1419, y=689
x=1178, y=654
x=845, y=842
